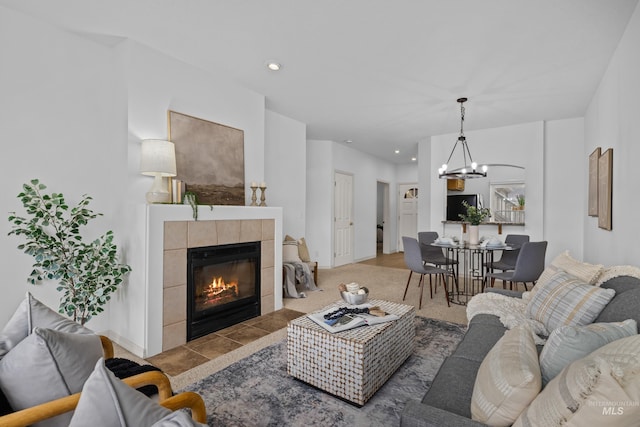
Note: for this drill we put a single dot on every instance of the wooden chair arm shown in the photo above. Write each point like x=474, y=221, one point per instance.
x=156, y=378
x=56, y=407
x=26, y=417
x=46, y=410
x=107, y=347
x=188, y=399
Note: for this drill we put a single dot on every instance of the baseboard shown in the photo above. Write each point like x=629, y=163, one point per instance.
x=132, y=348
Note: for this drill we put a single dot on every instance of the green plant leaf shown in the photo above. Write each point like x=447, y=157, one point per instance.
x=86, y=272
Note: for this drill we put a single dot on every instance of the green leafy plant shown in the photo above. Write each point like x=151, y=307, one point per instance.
x=474, y=216
x=520, y=199
x=87, y=273
x=192, y=200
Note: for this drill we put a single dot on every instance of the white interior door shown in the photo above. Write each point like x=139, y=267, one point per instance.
x=407, y=212
x=386, y=243
x=343, y=219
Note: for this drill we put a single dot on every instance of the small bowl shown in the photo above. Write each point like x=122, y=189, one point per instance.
x=355, y=299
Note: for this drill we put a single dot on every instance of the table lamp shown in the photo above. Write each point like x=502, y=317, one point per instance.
x=158, y=159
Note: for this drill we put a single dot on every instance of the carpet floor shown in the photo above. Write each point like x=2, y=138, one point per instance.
x=257, y=391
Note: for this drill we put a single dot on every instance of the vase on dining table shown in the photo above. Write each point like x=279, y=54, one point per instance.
x=474, y=234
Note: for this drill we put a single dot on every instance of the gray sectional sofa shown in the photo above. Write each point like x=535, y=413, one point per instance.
x=448, y=400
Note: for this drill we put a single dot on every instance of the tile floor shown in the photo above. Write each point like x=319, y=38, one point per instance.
x=201, y=350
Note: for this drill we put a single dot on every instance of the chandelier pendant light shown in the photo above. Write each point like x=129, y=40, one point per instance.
x=468, y=170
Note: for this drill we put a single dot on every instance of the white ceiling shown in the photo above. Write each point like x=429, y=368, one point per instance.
x=383, y=73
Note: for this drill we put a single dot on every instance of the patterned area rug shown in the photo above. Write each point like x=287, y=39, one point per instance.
x=257, y=391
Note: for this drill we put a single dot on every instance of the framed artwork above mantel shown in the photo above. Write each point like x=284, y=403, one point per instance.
x=209, y=159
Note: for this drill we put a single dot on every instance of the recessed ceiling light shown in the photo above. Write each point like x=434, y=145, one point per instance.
x=413, y=159
x=273, y=66
x=348, y=141
x=397, y=151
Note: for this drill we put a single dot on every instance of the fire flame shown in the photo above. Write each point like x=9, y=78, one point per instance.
x=218, y=286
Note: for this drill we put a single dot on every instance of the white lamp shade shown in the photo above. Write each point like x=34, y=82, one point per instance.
x=158, y=158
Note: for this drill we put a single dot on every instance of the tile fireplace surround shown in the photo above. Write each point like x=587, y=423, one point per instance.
x=171, y=231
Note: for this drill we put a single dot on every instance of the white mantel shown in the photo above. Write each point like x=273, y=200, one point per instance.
x=156, y=216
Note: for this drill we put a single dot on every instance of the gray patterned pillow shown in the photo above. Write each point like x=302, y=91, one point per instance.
x=567, y=300
x=569, y=343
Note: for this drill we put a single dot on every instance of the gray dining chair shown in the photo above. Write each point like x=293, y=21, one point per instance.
x=529, y=266
x=508, y=259
x=413, y=260
x=434, y=255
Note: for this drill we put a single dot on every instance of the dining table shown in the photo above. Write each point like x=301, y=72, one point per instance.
x=469, y=264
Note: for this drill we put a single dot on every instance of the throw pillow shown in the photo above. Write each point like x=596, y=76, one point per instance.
x=600, y=389
x=303, y=250
x=290, y=251
x=508, y=379
x=569, y=343
x=48, y=365
x=567, y=300
x=30, y=314
x=588, y=273
x=107, y=401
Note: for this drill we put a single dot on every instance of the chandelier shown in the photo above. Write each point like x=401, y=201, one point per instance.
x=468, y=170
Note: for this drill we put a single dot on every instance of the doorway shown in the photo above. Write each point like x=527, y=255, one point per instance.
x=407, y=212
x=343, y=219
x=383, y=242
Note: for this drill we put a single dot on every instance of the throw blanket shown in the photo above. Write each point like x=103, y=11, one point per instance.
x=297, y=273
x=511, y=311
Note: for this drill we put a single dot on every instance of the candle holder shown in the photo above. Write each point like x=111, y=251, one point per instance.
x=253, y=195
x=262, y=196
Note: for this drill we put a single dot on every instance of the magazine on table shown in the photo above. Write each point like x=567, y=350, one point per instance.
x=350, y=320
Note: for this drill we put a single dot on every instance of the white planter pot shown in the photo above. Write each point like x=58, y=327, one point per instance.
x=474, y=234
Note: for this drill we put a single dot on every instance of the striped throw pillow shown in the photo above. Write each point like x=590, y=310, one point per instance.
x=588, y=273
x=601, y=389
x=508, y=379
x=567, y=300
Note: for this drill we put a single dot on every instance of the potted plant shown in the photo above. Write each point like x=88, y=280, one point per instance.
x=87, y=273
x=520, y=200
x=474, y=216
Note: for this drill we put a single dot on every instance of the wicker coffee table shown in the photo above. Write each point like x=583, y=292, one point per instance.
x=351, y=364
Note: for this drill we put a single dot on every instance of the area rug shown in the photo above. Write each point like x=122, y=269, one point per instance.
x=257, y=391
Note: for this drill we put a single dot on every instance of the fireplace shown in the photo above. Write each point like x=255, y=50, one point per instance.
x=223, y=286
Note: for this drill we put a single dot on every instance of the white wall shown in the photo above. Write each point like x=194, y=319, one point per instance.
x=285, y=170
x=407, y=173
x=521, y=145
x=367, y=171
x=324, y=158
x=564, y=187
x=425, y=179
x=319, y=204
x=611, y=121
x=61, y=115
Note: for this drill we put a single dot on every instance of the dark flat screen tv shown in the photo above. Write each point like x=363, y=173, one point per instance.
x=455, y=207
